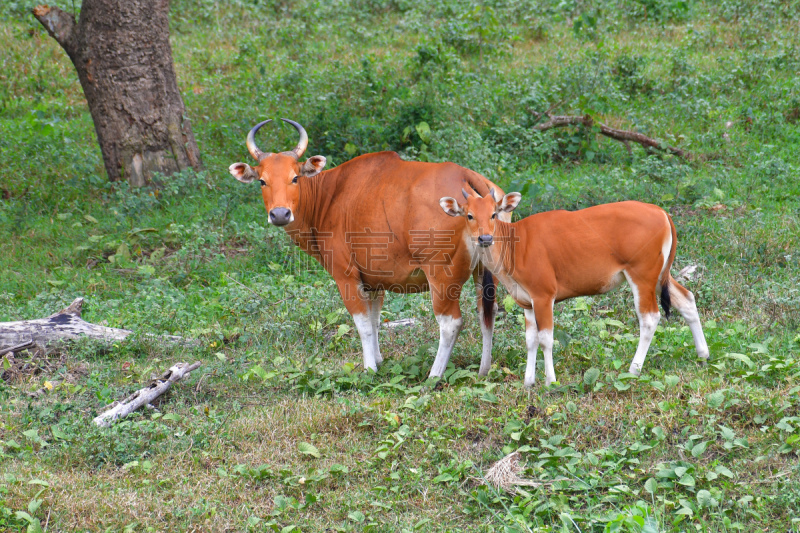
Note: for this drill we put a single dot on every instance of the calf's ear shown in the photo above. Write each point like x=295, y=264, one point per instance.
x=450, y=206
x=509, y=202
x=243, y=172
x=313, y=166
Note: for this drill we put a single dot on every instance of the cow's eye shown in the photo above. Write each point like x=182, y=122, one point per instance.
x=470, y=217
x=494, y=215
x=263, y=183
x=294, y=179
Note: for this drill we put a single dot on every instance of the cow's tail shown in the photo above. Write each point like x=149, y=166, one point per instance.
x=666, y=277
x=488, y=291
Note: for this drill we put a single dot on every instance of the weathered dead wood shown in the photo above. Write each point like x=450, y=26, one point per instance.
x=67, y=324
x=144, y=396
x=624, y=136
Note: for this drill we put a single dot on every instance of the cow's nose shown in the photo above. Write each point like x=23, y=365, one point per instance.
x=280, y=216
x=485, y=240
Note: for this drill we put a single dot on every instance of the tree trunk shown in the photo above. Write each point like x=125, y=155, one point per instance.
x=66, y=325
x=121, y=51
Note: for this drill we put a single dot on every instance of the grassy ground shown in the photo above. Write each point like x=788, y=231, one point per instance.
x=280, y=429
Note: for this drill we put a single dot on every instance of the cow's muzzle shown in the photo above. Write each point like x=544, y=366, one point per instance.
x=280, y=216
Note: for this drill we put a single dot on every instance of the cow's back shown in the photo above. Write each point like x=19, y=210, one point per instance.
x=386, y=213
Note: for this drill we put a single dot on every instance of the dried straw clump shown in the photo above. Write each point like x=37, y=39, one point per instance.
x=504, y=474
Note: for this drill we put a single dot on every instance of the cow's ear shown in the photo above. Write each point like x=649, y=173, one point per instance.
x=451, y=207
x=313, y=166
x=243, y=172
x=509, y=202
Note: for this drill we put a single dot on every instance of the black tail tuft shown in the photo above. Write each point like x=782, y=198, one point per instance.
x=488, y=295
x=665, y=301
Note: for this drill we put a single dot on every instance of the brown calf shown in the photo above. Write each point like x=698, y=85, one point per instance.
x=553, y=256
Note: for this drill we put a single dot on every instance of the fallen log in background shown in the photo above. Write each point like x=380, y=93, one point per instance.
x=144, y=396
x=67, y=324
x=624, y=136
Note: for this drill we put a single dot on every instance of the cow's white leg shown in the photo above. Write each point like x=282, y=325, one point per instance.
x=375, y=304
x=369, y=339
x=532, y=342
x=449, y=327
x=683, y=301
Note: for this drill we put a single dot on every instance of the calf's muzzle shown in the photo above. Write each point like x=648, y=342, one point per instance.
x=485, y=240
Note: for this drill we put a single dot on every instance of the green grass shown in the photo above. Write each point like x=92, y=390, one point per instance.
x=685, y=447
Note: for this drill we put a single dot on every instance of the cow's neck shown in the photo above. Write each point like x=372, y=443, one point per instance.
x=310, y=223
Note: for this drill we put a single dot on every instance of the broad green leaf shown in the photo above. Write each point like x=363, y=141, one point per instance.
x=443, y=478
x=705, y=499
x=308, y=449
x=671, y=380
x=699, y=448
x=715, y=399
x=591, y=375
x=724, y=471
x=741, y=357
x=34, y=505
x=687, y=481
x=424, y=131
x=651, y=485
x=727, y=433
x=621, y=385
x=356, y=516
x=58, y=434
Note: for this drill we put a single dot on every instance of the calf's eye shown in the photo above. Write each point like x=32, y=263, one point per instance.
x=294, y=179
x=263, y=183
x=470, y=217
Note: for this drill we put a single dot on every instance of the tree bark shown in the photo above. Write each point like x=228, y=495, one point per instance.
x=67, y=324
x=121, y=51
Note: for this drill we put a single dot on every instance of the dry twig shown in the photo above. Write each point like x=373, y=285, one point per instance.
x=144, y=396
x=624, y=136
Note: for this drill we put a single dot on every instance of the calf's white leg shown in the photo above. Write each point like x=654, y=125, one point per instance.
x=644, y=300
x=683, y=301
x=546, y=340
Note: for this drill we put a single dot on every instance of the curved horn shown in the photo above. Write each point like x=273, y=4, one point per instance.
x=303, y=143
x=257, y=154
x=494, y=196
x=465, y=193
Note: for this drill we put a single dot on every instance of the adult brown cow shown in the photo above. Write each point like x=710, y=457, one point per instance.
x=374, y=224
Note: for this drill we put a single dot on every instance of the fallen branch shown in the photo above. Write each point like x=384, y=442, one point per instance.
x=67, y=324
x=624, y=136
x=144, y=396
